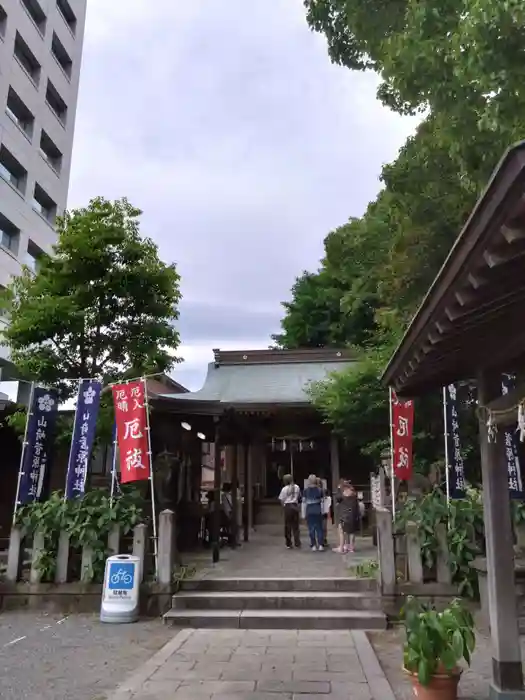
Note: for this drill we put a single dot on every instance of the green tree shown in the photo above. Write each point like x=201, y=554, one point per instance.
x=462, y=60
x=103, y=305
x=387, y=259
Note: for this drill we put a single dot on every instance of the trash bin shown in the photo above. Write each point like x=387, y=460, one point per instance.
x=120, y=594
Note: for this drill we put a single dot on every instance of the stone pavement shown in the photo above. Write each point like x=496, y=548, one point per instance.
x=260, y=665
x=265, y=556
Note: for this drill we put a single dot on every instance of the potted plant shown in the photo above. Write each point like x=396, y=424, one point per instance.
x=436, y=643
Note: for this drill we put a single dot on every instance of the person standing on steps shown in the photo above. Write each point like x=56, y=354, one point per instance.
x=290, y=498
x=313, y=512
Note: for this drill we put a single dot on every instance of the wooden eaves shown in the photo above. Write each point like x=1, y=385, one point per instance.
x=472, y=317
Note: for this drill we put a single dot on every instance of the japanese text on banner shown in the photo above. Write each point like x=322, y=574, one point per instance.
x=39, y=442
x=132, y=435
x=402, y=428
x=86, y=414
x=511, y=449
x=455, y=466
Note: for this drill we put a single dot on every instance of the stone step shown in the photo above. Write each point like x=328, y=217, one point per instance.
x=270, y=585
x=278, y=619
x=283, y=600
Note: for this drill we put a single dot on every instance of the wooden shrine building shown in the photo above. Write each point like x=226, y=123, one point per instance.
x=470, y=326
x=254, y=409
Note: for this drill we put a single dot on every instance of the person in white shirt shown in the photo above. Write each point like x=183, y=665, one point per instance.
x=290, y=498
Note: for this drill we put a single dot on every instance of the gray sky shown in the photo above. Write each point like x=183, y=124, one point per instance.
x=226, y=123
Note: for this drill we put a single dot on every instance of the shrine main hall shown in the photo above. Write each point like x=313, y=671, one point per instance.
x=255, y=415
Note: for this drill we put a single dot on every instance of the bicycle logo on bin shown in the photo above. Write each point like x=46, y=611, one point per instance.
x=121, y=576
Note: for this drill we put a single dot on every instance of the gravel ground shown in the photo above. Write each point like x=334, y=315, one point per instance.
x=47, y=657
x=474, y=683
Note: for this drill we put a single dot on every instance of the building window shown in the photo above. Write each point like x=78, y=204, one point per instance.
x=56, y=103
x=33, y=256
x=67, y=13
x=19, y=113
x=36, y=13
x=27, y=59
x=50, y=152
x=61, y=55
x=3, y=22
x=44, y=205
x=9, y=235
x=12, y=171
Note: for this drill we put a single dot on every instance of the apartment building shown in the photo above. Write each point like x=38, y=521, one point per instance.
x=40, y=55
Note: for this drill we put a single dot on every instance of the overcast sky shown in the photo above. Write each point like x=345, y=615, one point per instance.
x=226, y=123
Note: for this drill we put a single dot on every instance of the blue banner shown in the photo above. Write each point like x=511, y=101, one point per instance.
x=511, y=449
x=88, y=404
x=40, y=434
x=455, y=467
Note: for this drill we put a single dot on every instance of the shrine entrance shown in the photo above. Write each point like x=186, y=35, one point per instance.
x=298, y=457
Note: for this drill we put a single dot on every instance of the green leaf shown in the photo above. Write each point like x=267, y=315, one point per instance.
x=424, y=671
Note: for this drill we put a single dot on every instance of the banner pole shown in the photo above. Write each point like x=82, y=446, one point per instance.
x=153, y=507
x=70, y=461
x=24, y=446
x=445, y=430
x=392, y=473
x=113, y=468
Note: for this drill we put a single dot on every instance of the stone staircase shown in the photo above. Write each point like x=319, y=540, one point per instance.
x=278, y=603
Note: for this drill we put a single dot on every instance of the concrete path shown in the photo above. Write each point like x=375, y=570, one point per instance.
x=260, y=665
x=52, y=657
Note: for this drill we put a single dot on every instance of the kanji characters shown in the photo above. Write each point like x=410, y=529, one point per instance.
x=134, y=459
x=132, y=429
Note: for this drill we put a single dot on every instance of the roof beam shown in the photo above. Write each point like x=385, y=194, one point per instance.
x=464, y=297
x=452, y=314
x=442, y=327
x=511, y=234
x=476, y=280
x=496, y=257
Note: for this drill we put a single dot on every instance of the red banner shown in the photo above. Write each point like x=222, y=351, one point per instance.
x=132, y=434
x=402, y=429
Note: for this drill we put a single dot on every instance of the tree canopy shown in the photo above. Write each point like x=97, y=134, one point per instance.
x=457, y=63
x=103, y=305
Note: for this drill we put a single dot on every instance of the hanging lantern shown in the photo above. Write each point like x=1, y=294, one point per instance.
x=283, y=446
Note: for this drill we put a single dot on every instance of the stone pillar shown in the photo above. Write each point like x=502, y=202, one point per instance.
x=507, y=674
x=14, y=555
x=140, y=535
x=166, y=547
x=386, y=553
x=334, y=461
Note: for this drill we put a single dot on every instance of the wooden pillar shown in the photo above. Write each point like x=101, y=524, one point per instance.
x=507, y=674
x=334, y=461
x=235, y=502
x=216, y=526
x=249, y=483
x=246, y=470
